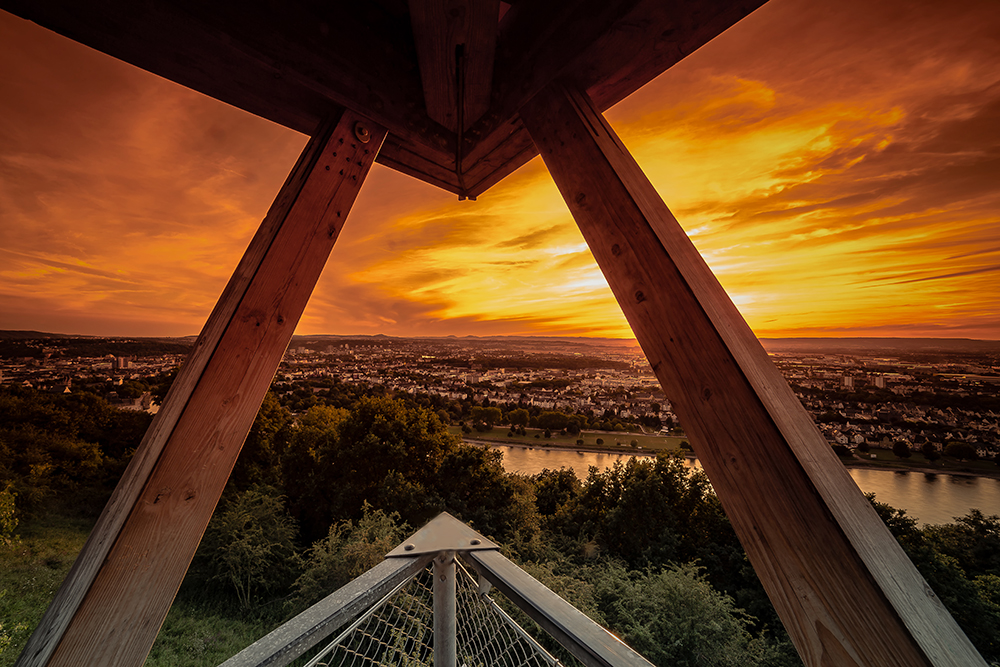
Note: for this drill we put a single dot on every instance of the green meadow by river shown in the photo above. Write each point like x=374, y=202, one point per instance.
x=610, y=440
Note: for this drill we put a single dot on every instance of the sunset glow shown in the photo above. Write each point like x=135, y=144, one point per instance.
x=837, y=165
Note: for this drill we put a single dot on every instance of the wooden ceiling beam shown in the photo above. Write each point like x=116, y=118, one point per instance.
x=157, y=38
x=296, y=62
x=293, y=64
x=609, y=49
x=455, y=42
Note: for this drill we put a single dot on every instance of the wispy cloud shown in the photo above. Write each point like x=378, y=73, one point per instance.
x=837, y=164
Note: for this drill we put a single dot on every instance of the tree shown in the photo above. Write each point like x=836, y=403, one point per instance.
x=554, y=421
x=901, y=449
x=961, y=450
x=488, y=416
x=930, y=452
x=259, y=460
x=518, y=417
x=555, y=488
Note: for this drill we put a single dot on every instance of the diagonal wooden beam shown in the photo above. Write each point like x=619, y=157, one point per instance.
x=611, y=48
x=455, y=41
x=111, y=606
x=845, y=591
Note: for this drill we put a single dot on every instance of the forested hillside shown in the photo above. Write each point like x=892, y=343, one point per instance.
x=319, y=496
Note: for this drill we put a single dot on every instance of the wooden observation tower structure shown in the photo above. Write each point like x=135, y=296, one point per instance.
x=460, y=93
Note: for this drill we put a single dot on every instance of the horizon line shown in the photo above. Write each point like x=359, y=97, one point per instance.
x=50, y=334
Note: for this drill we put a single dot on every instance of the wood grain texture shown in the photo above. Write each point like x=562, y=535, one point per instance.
x=293, y=63
x=439, y=26
x=296, y=62
x=609, y=49
x=844, y=589
x=111, y=605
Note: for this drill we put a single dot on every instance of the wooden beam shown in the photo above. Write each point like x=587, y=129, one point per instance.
x=294, y=62
x=611, y=49
x=111, y=606
x=844, y=589
x=443, y=29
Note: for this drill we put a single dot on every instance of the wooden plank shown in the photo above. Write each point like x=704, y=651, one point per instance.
x=843, y=587
x=111, y=605
x=440, y=28
x=397, y=156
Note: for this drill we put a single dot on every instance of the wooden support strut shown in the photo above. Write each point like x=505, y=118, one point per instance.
x=844, y=589
x=111, y=606
x=439, y=28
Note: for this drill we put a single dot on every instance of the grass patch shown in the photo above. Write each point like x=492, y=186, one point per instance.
x=31, y=571
x=884, y=458
x=202, y=628
x=613, y=441
x=200, y=633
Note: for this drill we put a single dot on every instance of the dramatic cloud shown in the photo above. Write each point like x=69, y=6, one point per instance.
x=837, y=164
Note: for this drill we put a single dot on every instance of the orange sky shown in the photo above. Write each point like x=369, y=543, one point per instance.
x=838, y=164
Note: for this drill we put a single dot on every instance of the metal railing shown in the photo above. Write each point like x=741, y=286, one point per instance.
x=421, y=606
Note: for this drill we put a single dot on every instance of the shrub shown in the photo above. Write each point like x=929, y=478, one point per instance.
x=600, y=441
x=250, y=544
x=346, y=552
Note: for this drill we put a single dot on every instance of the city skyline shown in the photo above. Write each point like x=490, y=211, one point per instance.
x=837, y=167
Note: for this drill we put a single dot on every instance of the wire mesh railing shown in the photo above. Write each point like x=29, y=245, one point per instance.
x=421, y=607
x=398, y=631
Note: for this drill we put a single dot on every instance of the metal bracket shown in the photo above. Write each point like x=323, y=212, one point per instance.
x=443, y=533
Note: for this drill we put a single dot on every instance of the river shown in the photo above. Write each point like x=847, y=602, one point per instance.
x=928, y=498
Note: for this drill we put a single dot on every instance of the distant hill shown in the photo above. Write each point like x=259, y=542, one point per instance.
x=37, y=344
x=468, y=339
x=34, y=335
x=887, y=345
x=817, y=345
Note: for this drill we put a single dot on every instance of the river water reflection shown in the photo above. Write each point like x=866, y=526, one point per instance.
x=929, y=498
